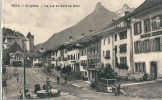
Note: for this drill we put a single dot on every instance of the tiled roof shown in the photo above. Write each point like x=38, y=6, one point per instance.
x=15, y=47
x=147, y=4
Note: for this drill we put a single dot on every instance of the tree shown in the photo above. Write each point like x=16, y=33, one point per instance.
x=66, y=70
x=106, y=72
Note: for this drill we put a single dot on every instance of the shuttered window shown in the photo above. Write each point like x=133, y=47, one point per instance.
x=147, y=25
x=123, y=48
x=123, y=60
x=137, y=47
x=160, y=20
x=123, y=35
x=149, y=45
x=161, y=43
x=108, y=53
x=157, y=44
x=155, y=23
x=140, y=67
x=137, y=28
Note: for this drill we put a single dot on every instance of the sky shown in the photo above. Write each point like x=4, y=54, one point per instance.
x=43, y=22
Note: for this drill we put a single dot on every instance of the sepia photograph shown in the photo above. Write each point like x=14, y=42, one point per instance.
x=81, y=49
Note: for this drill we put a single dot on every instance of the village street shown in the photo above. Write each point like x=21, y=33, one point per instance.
x=38, y=76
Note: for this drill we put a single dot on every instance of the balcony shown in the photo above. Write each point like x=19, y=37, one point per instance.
x=83, y=64
x=107, y=57
x=122, y=66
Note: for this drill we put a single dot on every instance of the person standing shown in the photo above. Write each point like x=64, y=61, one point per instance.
x=17, y=79
x=21, y=95
x=118, y=89
x=58, y=79
x=65, y=78
x=44, y=87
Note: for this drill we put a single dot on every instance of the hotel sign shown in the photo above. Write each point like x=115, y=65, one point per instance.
x=151, y=34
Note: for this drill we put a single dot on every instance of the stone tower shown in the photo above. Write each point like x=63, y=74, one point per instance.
x=30, y=37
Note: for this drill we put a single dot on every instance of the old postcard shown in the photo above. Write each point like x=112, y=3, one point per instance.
x=77, y=49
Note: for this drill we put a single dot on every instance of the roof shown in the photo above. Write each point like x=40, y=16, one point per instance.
x=29, y=35
x=8, y=33
x=34, y=54
x=146, y=5
x=113, y=30
x=15, y=47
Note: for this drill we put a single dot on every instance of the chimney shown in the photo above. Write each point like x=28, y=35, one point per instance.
x=127, y=12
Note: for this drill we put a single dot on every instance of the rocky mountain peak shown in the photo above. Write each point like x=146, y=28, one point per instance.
x=125, y=6
x=99, y=6
x=121, y=12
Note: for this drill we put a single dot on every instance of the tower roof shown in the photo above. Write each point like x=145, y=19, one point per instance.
x=29, y=35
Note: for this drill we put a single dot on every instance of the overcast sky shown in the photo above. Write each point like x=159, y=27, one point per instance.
x=44, y=22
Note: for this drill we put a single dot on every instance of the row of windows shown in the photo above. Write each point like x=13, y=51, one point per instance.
x=93, y=61
x=83, y=52
x=17, y=57
x=73, y=57
x=155, y=22
x=93, y=49
x=150, y=45
x=84, y=62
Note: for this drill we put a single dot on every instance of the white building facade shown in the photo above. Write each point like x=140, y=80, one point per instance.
x=147, y=38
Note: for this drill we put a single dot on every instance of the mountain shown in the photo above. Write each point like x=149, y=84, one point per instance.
x=99, y=18
x=121, y=12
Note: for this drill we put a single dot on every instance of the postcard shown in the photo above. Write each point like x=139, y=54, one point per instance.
x=75, y=49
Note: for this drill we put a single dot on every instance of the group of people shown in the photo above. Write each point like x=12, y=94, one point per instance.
x=58, y=79
x=27, y=94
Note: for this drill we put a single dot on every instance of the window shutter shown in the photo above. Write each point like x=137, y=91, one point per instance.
x=151, y=45
x=142, y=46
x=135, y=47
x=161, y=43
x=154, y=45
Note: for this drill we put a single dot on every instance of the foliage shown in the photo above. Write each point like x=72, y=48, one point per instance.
x=93, y=85
x=58, y=68
x=107, y=72
x=96, y=85
x=66, y=70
